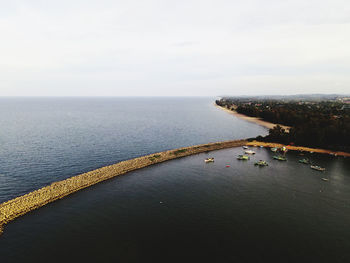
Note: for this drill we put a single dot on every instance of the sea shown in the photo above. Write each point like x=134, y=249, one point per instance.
x=184, y=210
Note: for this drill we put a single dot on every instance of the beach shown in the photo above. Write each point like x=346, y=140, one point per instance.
x=258, y=121
x=23, y=204
x=297, y=148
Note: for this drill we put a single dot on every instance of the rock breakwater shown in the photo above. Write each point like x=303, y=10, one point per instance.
x=21, y=205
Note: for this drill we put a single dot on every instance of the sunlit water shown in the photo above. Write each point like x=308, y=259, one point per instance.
x=183, y=210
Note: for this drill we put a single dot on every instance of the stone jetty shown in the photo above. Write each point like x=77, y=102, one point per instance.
x=21, y=205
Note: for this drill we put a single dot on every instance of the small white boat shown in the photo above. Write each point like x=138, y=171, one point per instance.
x=318, y=168
x=249, y=152
x=245, y=147
x=243, y=157
x=325, y=179
x=208, y=160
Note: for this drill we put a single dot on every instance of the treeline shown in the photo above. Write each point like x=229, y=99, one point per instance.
x=324, y=124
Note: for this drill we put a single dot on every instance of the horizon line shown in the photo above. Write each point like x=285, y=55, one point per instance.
x=167, y=96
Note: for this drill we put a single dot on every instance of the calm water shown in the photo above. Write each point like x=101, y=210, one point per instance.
x=182, y=210
x=45, y=140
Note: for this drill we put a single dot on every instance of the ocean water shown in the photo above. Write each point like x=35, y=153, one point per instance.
x=49, y=139
x=179, y=211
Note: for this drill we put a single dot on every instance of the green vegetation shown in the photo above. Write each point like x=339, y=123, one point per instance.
x=179, y=151
x=321, y=122
x=154, y=157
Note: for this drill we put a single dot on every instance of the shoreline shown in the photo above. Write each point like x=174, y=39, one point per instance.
x=19, y=206
x=297, y=148
x=270, y=125
x=266, y=124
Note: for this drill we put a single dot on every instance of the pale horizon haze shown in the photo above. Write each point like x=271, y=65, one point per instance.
x=174, y=48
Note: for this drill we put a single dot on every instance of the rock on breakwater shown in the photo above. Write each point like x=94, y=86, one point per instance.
x=21, y=205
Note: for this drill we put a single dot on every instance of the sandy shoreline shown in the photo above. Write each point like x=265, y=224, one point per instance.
x=298, y=148
x=270, y=125
x=21, y=205
x=255, y=120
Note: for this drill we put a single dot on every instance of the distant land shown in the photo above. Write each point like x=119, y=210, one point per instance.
x=315, y=120
x=297, y=97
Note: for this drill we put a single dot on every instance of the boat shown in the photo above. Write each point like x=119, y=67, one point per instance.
x=245, y=147
x=274, y=149
x=304, y=161
x=279, y=158
x=261, y=163
x=325, y=179
x=318, y=168
x=261, y=146
x=284, y=149
x=243, y=157
x=208, y=160
x=249, y=152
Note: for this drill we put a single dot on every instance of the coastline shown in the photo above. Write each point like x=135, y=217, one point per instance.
x=266, y=124
x=298, y=148
x=270, y=125
x=14, y=208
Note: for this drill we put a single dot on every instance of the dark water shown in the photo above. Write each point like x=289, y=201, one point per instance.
x=183, y=210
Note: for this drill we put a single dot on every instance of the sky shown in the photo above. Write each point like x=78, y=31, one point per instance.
x=174, y=48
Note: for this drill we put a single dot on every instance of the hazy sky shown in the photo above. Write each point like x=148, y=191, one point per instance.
x=165, y=48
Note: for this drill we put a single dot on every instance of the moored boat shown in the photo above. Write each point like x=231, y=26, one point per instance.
x=325, y=179
x=274, y=149
x=279, y=158
x=261, y=163
x=304, y=161
x=284, y=149
x=249, y=152
x=318, y=168
x=243, y=157
x=245, y=147
x=208, y=160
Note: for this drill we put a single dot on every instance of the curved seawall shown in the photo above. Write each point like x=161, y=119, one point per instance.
x=23, y=204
